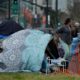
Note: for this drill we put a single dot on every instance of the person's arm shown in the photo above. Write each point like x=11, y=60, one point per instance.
x=61, y=30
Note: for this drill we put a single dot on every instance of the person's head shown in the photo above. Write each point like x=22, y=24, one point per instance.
x=68, y=21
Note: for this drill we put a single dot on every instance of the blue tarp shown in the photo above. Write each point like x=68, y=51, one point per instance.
x=3, y=36
x=74, y=45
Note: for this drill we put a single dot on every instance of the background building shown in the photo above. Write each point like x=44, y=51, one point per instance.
x=62, y=4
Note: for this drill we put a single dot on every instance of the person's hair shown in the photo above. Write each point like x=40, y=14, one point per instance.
x=67, y=21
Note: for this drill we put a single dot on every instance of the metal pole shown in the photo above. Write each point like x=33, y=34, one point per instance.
x=19, y=10
x=46, y=13
x=56, y=8
x=9, y=9
x=36, y=7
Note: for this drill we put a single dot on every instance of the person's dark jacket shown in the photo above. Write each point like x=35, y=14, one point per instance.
x=65, y=34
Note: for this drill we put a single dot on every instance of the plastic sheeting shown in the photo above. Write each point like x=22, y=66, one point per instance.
x=74, y=45
x=24, y=50
x=65, y=48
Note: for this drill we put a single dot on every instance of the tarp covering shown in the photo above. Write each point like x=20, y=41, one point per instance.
x=9, y=27
x=74, y=44
x=24, y=50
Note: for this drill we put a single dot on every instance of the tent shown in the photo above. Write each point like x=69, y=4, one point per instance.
x=9, y=27
x=25, y=50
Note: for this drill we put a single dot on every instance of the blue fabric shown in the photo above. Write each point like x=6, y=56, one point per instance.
x=32, y=57
x=33, y=39
x=73, y=45
x=3, y=36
